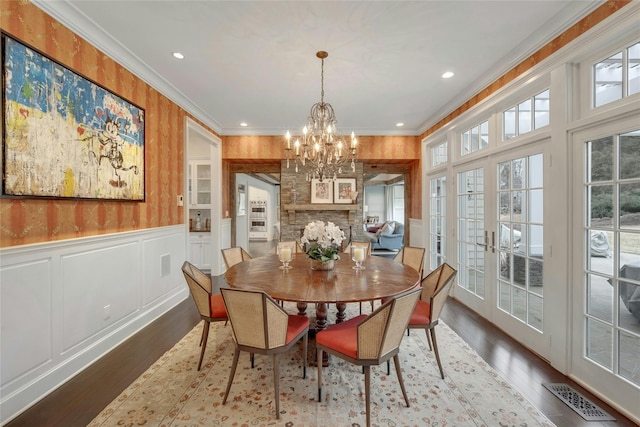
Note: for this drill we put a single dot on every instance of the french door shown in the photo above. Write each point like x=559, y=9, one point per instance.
x=500, y=242
x=606, y=260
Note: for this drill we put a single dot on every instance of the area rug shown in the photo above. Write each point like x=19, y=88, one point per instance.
x=173, y=393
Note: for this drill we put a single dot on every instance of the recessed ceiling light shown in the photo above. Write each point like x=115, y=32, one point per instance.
x=178, y=55
x=447, y=75
x=399, y=124
x=243, y=124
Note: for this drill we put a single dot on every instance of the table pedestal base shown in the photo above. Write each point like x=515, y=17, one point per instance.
x=321, y=320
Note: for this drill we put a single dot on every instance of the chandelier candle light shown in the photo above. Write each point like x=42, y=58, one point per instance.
x=321, y=151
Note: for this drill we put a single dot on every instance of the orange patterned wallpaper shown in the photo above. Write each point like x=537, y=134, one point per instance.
x=26, y=221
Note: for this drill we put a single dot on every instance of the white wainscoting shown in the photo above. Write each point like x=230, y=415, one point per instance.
x=66, y=304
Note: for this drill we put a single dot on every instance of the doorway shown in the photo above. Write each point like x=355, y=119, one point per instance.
x=203, y=160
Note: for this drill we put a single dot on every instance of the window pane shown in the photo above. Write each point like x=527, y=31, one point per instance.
x=541, y=110
x=600, y=159
x=535, y=170
x=535, y=205
x=608, y=80
x=524, y=117
x=504, y=301
x=629, y=351
x=599, y=298
x=629, y=204
x=601, y=205
x=633, y=69
x=466, y=145
x=599, y=342
x=630, y=155
x=535, y=312
x=509, y=123
x=484, y=135
x=474, y=139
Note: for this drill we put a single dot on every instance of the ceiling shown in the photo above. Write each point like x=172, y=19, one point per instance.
x=255, y=61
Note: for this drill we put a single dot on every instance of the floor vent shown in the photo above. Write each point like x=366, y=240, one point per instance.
x=576, y=401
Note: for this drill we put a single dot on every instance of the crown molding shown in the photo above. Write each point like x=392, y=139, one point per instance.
x=67, y=14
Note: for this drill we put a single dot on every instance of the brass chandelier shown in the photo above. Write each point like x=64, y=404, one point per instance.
x=321, y=151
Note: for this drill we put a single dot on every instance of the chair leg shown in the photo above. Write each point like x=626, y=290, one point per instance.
x=435, y=350
x=367, y=388
x=202, y=335
x=276, y=382
x=205, y=336
x=388, y=367
x=236, y=354
x=426, y=331
x=305, y=346
x=396, y=362
x=319, y=364
x=252, y=357
x=360, y=307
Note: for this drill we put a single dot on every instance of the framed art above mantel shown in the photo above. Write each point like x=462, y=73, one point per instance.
x=321, y=191
x=65, y=136
x=344, y=190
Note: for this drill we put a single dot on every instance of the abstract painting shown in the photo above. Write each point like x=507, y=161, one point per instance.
x=64, y=135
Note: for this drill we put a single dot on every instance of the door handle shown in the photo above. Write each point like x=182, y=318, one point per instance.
x=485, y=245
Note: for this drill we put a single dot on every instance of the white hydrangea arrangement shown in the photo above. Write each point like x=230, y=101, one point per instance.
x=322, y=241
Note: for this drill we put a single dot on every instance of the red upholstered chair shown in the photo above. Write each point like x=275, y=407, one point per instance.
x=426, y=315
x=369, y=340
x=261, y=326
x=210, y=306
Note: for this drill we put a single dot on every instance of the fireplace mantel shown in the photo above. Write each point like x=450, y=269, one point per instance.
x=293, y=208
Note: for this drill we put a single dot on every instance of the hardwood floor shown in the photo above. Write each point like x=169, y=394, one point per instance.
x=78, y=401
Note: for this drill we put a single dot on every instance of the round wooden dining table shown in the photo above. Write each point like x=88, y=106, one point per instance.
x=381, y=278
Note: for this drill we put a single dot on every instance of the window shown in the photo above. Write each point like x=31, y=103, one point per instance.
x=475, y=139
x=439, y=154
x=528, y=115
x=617, y=76
x=397, y=192
x=438, y=221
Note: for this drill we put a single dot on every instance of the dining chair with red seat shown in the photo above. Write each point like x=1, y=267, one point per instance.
x=369, y=340
x=426, y=315
x=210, y=305
x=261, y=326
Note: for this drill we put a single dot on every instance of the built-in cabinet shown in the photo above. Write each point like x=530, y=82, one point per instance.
x=199, y=174
x=199, y=203
x=200, y=249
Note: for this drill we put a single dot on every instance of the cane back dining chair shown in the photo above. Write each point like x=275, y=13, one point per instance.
x=261, y=326
x=411, y=256
x=210, y=306
x=366, y=245
x=426, y=315
x=235, y=255
x=369, y=340
x=296, y=248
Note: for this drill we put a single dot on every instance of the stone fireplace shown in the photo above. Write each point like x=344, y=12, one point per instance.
x=295, y=216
